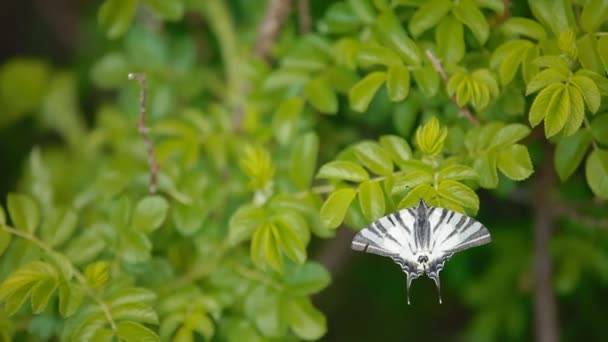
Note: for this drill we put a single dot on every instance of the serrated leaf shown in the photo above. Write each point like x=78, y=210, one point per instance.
x=64, y=227
x=398, y=82
x=284, y=122
x=514, y=162
x=449, y=36
x=569, y=153
x=589, y=89
x=371, y=200
x=526, y=27
x=167, y=9
x=303, y=160
x=97, y=274
x=307, y=279
x=335, y=207
x=321, y=95
x=596, y=172
x=24, y=212
x=541, y=103
x=129, y=295
x=374, y=157
x=150, y=213
x=457, y=172
x=305, y=320
x=135, y=332
x=136, y=312
x=41, y=293
x=428, y=15
x=459, y=193
x=115, y=16
x=577, y=111
x=399, y=150
x=511, y=61
x=362, y=93
x=343, y=170
x=469, y=14
x=510, y=134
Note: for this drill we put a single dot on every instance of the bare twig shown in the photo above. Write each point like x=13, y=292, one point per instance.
x=276, y=14
x=544, y=219
x=304, y=17
x=143, y=129
x=437, y=65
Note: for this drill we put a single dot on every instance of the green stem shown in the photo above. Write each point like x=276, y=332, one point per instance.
x=77, y=274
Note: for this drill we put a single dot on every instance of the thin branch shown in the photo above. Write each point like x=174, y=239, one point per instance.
x=439, y=68
x=545, y=308
x=276, y=15
x=575, y=215
x=305, y=19
x=77, y=274
x=143, y=129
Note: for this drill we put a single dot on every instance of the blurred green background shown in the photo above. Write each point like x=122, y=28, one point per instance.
x=62, y=74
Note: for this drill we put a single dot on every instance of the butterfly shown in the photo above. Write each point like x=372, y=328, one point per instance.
x=421, y=239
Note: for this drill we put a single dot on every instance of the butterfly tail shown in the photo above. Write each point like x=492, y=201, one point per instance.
x=410, y=277
x=435, y=278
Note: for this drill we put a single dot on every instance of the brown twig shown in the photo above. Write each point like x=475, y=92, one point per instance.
x=545, y=308
x=304, y=17
x=143, y=129
x=506, y=13
x=276, y=15
x=439, y=68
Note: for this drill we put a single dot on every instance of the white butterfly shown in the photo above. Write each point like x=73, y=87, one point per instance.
x=421, y=239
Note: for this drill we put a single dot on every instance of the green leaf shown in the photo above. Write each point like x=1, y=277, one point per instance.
x=544, y=78
x=110, y=70
x=189, y=218
x=136, y=312
x=335, y=207
x=469, y=14
x=424, y=191
x=430, y=137
x=136, y=247
x=485, y=167
x=307, y=279
x=599, y=127
x=449, y=36
x=150, y=213
x=70, y=298
x=525, y=27
x=103, y=335
x=291, y=243
x=41, y=293
x=459, y=193
x=115, y=16
x=135, y=332
x=428, y=15
x=339, y=18
x=362, y=93
x=510, y=63
x=374, y=157
x=97, y=274
x=556, y=15
x=24, y=212
x=586, y=50
x=363, y=9
x=371, y=55
x=398, y=82
x=457, y=172
x=514, y=162
x=427, y=80
x=292, y=220
x=594, y=14
x=577, y=111
x=244, y=222
x=343, y=170
x=596, y=172
x=392, y=33
x=5, y=239
x=63, y=227
x=558, y=112
x=411, y=179
x=602, y=49
x=321, y=95
x=305, y=320
x=271, y=246
x=284, y=122
x=129, y=295
x=570, y=152
x=589, y=89
x=510, y=134
x=371, y=200
x=167, y=9
x=541, y=103
x=303, y=160
x=397, y=148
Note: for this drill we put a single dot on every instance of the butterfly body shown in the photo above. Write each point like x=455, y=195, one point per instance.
x=421, y=239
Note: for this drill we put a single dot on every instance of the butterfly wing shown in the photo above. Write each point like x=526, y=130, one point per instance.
x=451, y=232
